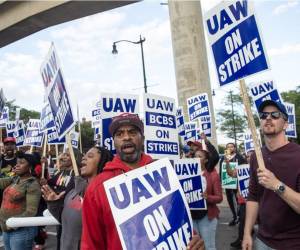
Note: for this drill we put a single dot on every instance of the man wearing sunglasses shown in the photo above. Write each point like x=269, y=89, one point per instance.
x=274, y=193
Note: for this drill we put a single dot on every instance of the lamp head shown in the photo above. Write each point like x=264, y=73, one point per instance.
x=114, y=51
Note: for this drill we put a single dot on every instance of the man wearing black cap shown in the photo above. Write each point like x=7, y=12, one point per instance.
x=274, y=193
x=99, y=230
x=8, y=160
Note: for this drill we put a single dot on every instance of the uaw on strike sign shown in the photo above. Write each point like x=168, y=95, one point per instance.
x=57, y=93
x=161, y=134
x=149, y=208
x=193, y=184
x=235, y=41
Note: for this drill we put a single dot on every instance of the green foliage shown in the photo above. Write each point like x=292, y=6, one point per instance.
x=238, y=119
x=25, y=114
x=87, y=135
x=221, y=149
x=293, y=96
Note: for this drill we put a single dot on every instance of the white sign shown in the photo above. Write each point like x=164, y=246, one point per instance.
x=57, y=93
x=180, y=121
x=248, y=142
x=262, y=91
x=234, y=37
x=74, y=139
x=33, y=124
x=112, y=105
x=190, y=131
x=192, y=183
x=291, y=130
x=96, y=118
x=161, y=135
x=149, y=208
x=4, y=117
x=47, y=120
x=243, y=175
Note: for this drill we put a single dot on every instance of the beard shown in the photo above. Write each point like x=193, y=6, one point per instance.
x=271, y=130
x=130, y=158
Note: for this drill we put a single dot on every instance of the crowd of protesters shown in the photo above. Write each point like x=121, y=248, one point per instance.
x=81, y=207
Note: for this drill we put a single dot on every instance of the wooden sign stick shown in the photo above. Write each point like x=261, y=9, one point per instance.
x=251, y=125
x=44, y=154
x=74, y=164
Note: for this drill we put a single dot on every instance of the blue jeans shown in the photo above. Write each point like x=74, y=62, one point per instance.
x=207, y=229
x=259, y=245
x=19, y=239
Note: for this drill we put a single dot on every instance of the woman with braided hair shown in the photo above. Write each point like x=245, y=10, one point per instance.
x=67, y=207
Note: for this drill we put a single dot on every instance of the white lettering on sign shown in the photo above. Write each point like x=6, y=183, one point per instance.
x=194, y=196
x=119, y=105
x=176, y=240
x=156, y=224
x=240, y=59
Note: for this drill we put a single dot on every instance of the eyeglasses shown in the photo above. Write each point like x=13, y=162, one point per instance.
x=274, y=115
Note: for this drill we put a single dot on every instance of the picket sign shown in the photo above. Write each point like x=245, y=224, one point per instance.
x=71, y=151
x=251, y=124
x=44, y=154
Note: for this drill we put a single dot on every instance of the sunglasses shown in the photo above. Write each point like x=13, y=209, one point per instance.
x=274, y=115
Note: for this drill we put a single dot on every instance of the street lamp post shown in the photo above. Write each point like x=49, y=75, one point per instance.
x=115, y=51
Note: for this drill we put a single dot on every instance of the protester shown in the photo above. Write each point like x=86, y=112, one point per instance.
x=41, y=236
x=231, y=155
x=205, y=221
x=8, y=160
x=274, y=192
x=99, y=229
x=21, y=198
x=62, y=181
x=67, y=209
x=242, y=205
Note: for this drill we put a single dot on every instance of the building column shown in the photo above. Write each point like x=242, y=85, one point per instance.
x=190, y=56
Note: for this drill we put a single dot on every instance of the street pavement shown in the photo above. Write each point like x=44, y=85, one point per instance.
x=225, y=234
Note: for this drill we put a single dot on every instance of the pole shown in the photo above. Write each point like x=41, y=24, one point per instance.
x=79, y=130
x=251, y=125
x=74, y=164
x=143, y=62
x=44, y=155
x=233, y=118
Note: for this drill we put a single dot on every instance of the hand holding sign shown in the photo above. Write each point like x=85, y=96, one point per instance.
x=267, y=179
x=196, y=243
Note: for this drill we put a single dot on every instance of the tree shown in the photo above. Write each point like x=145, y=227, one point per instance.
x=87, y=135
x=234, y=123
x=25, y=114
x=293, y=96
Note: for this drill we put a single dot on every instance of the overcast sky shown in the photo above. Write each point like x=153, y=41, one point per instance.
x=84, y=47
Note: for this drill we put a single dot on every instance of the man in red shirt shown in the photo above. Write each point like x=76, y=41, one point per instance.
x=99, y=229
x=274, y=193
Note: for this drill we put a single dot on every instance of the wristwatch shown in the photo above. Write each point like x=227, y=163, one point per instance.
x=280, y=188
